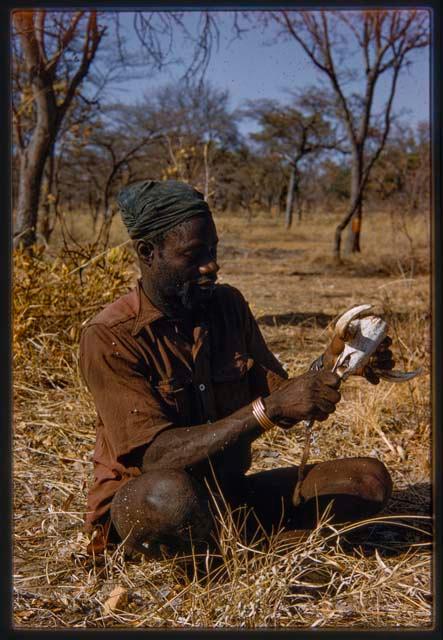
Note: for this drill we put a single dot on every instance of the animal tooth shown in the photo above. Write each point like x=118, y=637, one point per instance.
x=398, y=376
x=342, y=323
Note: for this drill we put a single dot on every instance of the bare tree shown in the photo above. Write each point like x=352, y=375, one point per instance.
x=246, y=180
x=333, y=41
x=293, y=136
x=114, y=143
x=76, y=127
x=53, y=53
x=178, y=132
x=197, y=123
x=52, y=64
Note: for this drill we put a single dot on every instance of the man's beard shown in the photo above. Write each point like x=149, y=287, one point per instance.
x=190, y=296
x=196, y=295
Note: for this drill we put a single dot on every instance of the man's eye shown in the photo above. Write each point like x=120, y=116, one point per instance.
x=201, y=254
x=189, y=254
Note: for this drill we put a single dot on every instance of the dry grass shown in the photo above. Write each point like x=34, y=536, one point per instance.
x=376, y=575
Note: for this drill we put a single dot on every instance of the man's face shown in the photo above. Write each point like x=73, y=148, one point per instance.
x=184, y=267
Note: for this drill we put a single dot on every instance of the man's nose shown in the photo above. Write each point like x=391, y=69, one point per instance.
x=210, y=268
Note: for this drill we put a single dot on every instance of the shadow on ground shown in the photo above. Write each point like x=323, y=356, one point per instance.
x=317, y=319
x=408, y=523
x=268, y=253
x=295, y=318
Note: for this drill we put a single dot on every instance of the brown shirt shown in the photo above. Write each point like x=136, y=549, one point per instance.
x=147, y=373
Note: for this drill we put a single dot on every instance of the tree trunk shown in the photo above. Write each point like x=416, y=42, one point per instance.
x=32, y=164
x=299, y=205
x=47, y=224
x=42, y=79
x=279, y=201
x=105, y=231
x=292, y=188
x=270, y=205
x=343, y=224
x=207, y=175
x=95, y=212
x=108, y=211
x=353, y=238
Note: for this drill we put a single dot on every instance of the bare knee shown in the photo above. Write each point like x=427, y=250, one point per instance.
x=161, y=507
x=374, y=481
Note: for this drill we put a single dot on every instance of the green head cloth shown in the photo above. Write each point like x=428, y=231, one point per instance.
x=149, y=208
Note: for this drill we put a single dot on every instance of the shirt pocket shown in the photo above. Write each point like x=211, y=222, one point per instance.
x=175, y=395
x=231, y=384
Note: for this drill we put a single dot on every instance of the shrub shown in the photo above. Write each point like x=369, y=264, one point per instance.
x=53, y=298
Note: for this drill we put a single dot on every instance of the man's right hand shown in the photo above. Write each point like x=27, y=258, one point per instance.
x=311, y=395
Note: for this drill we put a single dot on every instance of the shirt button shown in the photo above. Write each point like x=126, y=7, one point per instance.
x=201, y=387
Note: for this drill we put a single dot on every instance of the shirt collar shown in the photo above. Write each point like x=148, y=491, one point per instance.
x=147, y=312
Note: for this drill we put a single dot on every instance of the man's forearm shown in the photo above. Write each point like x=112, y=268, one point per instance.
x=181, y=447
x=311, y=395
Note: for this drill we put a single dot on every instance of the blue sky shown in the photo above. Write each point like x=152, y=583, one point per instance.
x=252, y=67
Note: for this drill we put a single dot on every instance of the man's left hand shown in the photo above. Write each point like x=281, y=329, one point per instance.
x=381, y=359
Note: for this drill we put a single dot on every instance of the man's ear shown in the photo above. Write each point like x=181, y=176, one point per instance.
x=145, y=251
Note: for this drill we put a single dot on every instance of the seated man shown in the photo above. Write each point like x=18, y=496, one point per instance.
x=183, y=383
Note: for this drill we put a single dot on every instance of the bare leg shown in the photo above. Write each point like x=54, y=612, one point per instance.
x=170, y=508
x=358, y=487
x=162, y=507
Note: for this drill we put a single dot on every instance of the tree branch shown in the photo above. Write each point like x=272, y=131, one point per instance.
x=40, y=34
x=387, y=126
x=93, y=37
x=334, y=80
x=18, y=129
x=64, y=41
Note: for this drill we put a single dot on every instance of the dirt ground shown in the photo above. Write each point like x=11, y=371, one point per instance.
x=372, y=576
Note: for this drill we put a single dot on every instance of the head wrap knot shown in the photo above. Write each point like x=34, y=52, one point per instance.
x=149, y=208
